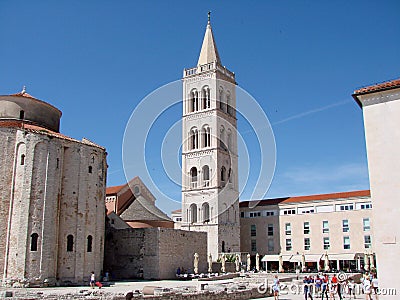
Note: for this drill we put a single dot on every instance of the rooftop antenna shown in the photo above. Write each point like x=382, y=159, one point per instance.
x=209, y=16
x=23, y=90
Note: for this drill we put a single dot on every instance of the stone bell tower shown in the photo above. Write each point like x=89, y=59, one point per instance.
x=210, y=197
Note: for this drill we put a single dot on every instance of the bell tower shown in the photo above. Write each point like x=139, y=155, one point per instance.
x=210, y=197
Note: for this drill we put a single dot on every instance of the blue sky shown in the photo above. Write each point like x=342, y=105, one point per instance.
x=301, y=60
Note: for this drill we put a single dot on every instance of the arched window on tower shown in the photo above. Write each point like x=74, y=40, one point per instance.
x=70, y=243
x=193, y=177
x=221, y=99
x=89, y=243
x=222, y=138
x=229, y=140
x=193, y=139
x=229, y=103
x=22, y=159
x=206, y=212
x=206, y=176
x=206, y=97
x=206, y=132
x=34, y=241
x=223, y=176
x=194, y=101
x=193, y=213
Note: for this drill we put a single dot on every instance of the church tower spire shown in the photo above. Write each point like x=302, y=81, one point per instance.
x=208, y=52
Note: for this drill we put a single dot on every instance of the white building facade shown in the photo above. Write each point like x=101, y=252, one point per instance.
x=301, y=231
x=209, y=152
x=381, y=110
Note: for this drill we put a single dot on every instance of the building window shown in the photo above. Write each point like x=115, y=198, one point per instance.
x=288, y=229
x=206, y=97
x=366, y=224
x=269, y=213
x=229, y=139
x=193, y=139
x=89, y=243
x=34, y=241
x=270, y=229
x=70, y=243
x=193, y=177
x=345, y=225
x=288, y=244
x=221, y=102
x=22, y=159
x=206, y=212
x=325, y=227
x=222, y=138
x=327, y=244
x=307, y=244
x=223, y=175
x=346, y=242
x=242, y=214
x=255, y=214
x=253, y=245
x=271, y=245
x=90, y=169
x=206, y=176
x=347, y=207
x=367, y=241
x=194, y=101
x=289, y=212
x=306, y=226
x=253, y=231
x=366, y=206
x=193, y=213
x=206, y=136
x=21, y=114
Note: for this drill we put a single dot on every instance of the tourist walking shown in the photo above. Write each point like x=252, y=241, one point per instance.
x=324, y=285
x=275, y=287
x=367, y=288
x=375, y=286
x=92, y=280
x=351, y=288
x=307, y=287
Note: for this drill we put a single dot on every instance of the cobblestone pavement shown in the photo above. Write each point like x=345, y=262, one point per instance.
x=292, y=291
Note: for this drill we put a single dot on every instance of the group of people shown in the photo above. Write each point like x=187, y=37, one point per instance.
x=327, y=287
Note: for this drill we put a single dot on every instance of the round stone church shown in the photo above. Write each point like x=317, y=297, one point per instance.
x=52, y=190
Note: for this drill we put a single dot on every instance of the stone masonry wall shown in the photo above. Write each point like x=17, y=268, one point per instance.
x=153, y=253
x=177, y=249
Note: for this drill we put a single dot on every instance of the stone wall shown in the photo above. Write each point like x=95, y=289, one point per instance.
x=153, y=253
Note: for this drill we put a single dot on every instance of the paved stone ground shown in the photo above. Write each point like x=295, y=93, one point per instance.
x=120, y=289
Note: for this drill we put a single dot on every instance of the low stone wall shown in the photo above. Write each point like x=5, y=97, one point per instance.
x=153, y=253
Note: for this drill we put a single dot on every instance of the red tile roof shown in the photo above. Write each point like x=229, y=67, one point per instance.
x=177, y=211
x=114, y=189
x=26, y=95
x=41, y=130
x=297, y=199
x=378, y=87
